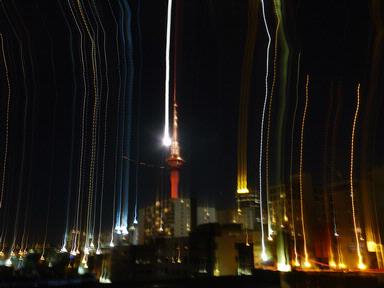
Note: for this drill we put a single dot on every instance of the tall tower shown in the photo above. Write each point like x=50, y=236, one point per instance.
x=174, y=161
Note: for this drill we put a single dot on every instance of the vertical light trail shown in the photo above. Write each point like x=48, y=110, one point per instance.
x=270, y=231
x=106, y=105
x=98, y=57
x=264, y=256
x=167, y=139
x=306, y=263
x=139, y=79
x=71, y=157
x=120, y=228
x=116, y=214
x=24, y=133
x=246, y=75
x=53, y=144
x=360, y=263
x=5, y=159
x=76, y=238
x=94, y=124
x=118, y=157
x=127, y=36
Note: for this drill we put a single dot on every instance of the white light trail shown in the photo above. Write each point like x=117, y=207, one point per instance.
x=263, y=251
x=167, y=139
x=6, y=122
x=306, y=263
x=360, y=263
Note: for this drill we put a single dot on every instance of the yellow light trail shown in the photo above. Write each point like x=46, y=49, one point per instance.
x=167, y=139
x=306, y=263
x=296, y=263
x=264, y=256
x=5, y=159
x=247, y=66
x=360, y=263
x=270, y=231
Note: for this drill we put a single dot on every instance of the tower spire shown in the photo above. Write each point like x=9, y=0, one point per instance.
x=174, y=160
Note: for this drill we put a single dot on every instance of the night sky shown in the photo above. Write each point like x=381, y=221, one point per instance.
x=42, y=47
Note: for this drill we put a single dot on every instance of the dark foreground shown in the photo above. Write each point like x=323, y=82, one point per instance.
x=261, y=279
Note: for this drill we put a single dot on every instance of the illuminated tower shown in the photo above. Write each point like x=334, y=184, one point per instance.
x=174, y=161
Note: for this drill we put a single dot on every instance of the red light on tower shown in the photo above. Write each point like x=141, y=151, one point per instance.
x=174, y=161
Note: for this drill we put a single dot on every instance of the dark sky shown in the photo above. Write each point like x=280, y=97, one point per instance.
x=335, y=41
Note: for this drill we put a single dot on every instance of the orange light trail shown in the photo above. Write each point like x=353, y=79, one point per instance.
x=360, y=263
x=306, y=260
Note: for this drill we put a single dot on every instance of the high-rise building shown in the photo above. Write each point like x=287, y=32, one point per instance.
x=170, y=218
x=206, y=215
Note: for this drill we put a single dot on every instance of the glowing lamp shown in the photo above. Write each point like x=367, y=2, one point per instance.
x=167, y=141
x=332, y=264
x=264, y=256
x=8, y=262
x=242, y=191
x=371, y=246
x=306, y=264
x=361, y=265
x=283, y=267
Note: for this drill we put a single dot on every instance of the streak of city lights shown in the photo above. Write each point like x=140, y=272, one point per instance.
x=94, y=123
x=5, y=158
x=73, y=121
x=25, y=120
x=128, y=43
x=263, y=252
x=360, y=263
x=116, y=217
x=75, y=239
x=166, y=138
x=98, y=250
x=270, y=231
x=306, y=263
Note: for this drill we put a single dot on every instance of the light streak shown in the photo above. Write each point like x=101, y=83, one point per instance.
x=5, y=159
x=128, y=112
x=166, y=138
x=82, y=139
x=360, y=263
x=306, y=260
x=242, y=185
x=98, y=251
x=270, y=231
x=263, y=249
x=139, y=80
x=25, y=118
x=94, y=122
x=71, y=161
x=116, y=218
